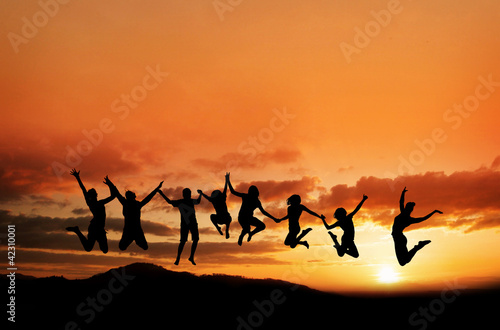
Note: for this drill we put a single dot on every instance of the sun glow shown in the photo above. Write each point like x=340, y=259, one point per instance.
x=387, y=275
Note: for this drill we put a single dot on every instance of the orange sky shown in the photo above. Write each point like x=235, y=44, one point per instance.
x=183, y=92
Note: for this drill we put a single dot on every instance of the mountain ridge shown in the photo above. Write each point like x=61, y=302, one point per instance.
x=147, y=295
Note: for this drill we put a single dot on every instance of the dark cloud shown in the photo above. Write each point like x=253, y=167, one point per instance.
x=80, y=211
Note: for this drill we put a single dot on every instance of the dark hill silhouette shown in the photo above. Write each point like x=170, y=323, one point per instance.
x=149, y=297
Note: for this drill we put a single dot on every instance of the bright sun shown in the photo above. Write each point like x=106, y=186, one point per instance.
x=388, y=275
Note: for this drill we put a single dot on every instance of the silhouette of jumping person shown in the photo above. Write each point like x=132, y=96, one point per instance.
x=188, y=221
x=345, y=222
x=249, y=202
x=132, y=230
x=96, y=231
x=295, y=209
x=401, y=221
x=221, y=216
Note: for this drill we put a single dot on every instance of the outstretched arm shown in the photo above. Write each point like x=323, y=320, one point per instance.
x=402, y=200
x=286, y=217
x=417, y=220
x=311, y=212
x=114, y=190
x=76, y=174
x=234, y=192
x=151, y=195
x=359, y=205
x=267, y=213
x=327, y=226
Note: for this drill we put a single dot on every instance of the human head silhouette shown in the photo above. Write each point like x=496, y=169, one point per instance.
x=186, y=193
x=293, y=200
x=129, y=195
x=253, y=191
x=216, y=193
x=92, y=193
x=340, y=213
x=409, y=207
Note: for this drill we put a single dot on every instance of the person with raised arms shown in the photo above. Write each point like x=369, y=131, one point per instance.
x=345, y=222
x=295, y=210
x=401, y=222
x=221, y=216
x=96, y=231
x=132, y=229
x=249, y=202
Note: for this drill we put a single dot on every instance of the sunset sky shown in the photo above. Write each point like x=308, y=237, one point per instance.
x=326, y=99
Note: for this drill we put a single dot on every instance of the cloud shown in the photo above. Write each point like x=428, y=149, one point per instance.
x=80, y=211
x=471, y=195
x=49, y=233
x=272, y=190
x=234, y=161
x=27, y=168
x=345, y=169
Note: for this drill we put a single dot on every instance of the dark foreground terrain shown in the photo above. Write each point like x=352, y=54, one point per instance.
x=145, y=296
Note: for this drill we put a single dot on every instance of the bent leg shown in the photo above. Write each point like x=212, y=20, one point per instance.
x=304, y=233
x=259, y=226
x=87, y=243
x=415, y=249
x=245, y=229
x=215, y=219
x=351, y=249
x=336, y=245
x=291, y=240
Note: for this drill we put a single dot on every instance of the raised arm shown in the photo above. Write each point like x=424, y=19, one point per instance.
x=164, y=197
x=359, y=205
x=150, y=196
x=417, y=220
x=204, y=195
x=112, y=196
x=402, y=200
x=234, y=192
x=198, y=200
x=76, y=174
x=224, y=192
x=114, y=191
